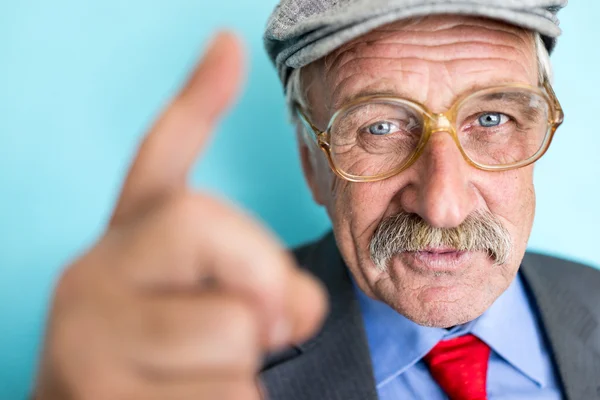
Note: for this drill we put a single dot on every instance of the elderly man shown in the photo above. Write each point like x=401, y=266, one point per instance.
x=418, y=125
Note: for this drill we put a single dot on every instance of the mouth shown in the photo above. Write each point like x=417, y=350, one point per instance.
x=437, y=260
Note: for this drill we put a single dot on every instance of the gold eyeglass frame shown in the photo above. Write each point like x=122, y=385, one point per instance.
x=440, y=122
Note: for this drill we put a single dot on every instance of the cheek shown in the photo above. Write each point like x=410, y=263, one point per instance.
x=510, y=196
x=360, y=206
x=356, y=209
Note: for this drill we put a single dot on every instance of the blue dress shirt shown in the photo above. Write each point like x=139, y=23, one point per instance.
x=520, y=364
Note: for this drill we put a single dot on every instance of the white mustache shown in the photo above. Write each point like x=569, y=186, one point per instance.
x=407, y=232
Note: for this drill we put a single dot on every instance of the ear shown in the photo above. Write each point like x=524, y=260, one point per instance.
x=309, y=156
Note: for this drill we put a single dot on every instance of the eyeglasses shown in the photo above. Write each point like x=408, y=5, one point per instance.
x=495, y=129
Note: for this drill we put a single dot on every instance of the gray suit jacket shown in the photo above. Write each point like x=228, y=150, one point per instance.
x=336, y=364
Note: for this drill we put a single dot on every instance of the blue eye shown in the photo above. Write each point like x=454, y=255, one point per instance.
x=490, y=120
x=382, y=128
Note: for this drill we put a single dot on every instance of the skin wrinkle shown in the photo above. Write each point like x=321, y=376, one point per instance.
x=436, y=40
x=440, y=187
x=448, y=77
x=403, y=49
x=364, y=62
x=521, y=35
x=348, y=48
x=343, y=81
x=516, y=46
x=475, y=44
x=389, y=31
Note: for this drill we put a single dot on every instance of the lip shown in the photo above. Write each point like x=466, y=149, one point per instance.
x=437, y=259
x=440, y=250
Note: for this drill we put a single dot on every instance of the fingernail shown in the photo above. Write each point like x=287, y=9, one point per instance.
x=280, y=335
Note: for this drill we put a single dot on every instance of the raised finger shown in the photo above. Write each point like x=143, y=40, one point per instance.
x=172, y=145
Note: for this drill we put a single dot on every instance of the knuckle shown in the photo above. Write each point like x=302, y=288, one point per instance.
x=183, y=206
x=237, y=327
x=188, y=207
x=163, y=325
x=183, y=220
x=237, y=319
x=214, y=333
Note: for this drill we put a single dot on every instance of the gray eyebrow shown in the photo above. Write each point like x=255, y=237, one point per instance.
x=519, y=98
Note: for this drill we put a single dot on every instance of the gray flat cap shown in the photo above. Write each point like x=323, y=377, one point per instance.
x=302, y=31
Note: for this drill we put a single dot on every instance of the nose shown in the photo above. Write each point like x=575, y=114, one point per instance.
x=441, y=193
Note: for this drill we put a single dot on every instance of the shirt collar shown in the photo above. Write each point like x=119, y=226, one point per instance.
x=511, y=329
x=508, y=327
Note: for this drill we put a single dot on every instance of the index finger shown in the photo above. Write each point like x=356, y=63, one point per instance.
x=172, y=145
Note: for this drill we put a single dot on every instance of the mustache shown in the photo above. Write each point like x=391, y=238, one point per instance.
x=408, y=232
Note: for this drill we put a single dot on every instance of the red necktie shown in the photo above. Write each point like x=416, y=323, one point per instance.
x=459, y=366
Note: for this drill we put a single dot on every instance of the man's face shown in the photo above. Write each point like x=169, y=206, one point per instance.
x=432, y=61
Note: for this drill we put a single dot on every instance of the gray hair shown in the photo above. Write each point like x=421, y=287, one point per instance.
x=407, y=232
x=297, y=91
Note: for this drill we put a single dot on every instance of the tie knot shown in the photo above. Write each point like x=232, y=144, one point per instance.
x=459, y=366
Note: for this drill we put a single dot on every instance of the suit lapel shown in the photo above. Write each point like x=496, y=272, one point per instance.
x=335, y=364
x=571, y=327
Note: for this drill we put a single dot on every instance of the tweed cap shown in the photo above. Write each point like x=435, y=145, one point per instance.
x=302, y=31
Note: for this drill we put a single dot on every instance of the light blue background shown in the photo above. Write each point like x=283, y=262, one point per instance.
x=81, y=80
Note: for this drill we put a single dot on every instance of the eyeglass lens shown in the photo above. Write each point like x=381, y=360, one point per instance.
x=498, y=128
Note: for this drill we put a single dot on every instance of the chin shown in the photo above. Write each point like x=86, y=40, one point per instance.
x=438, y=293
x=444, y=315
x=440, y=307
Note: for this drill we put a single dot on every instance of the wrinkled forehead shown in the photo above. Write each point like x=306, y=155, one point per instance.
x=437, y=30
x=432, y=60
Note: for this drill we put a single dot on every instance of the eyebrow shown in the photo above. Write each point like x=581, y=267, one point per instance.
x=525, y=102
x=343, y=101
